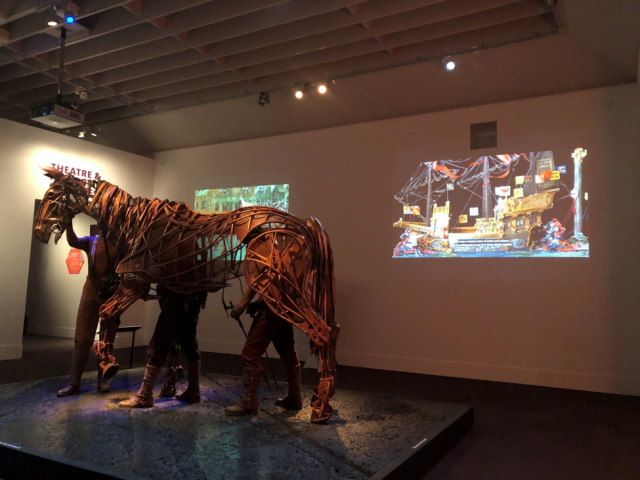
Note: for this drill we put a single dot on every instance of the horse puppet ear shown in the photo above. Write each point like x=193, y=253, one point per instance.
x=52, y=173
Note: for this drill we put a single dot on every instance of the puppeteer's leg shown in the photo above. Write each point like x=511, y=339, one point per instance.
x=189, y=346
x=163, y=337
x=259, y=338
x=144, y=397
x=86, y=325
x=284, y=343
x=174, y=371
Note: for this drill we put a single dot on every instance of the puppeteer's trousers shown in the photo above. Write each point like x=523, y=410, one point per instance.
x=174, y=324
x=268, y=327
x=87, y=321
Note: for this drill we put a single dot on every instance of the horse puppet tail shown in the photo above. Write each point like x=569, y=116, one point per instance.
x=321, y=294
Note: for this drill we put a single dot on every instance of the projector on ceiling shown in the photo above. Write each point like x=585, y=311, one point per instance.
x=56, y=115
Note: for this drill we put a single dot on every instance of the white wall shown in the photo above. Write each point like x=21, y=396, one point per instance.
x=52, y=293
x=569, y=323
x=23, y=149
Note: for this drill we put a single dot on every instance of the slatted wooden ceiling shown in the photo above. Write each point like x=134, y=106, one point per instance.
x=139, y=57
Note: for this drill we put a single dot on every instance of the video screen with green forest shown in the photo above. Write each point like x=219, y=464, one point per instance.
x=226, y=199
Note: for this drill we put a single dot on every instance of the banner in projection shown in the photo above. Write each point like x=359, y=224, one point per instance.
x=227, y=199
x=511, y=205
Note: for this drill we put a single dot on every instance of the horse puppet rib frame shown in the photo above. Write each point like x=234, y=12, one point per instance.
x=287, y=260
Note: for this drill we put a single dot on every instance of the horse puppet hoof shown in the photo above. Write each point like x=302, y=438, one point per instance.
x=321, y=412
x=109, y=371
x=321, y=417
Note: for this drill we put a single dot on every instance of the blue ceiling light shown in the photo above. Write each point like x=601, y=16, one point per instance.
x=69, y=17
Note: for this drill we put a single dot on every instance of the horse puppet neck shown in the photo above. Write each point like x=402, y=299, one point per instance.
x=110, y=207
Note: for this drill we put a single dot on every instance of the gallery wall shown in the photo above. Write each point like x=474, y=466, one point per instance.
x=568, y=322
x=24, y=149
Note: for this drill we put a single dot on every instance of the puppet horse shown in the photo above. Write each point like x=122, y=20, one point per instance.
x=287, y=260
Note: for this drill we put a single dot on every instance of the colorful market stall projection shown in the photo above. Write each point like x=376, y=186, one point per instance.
x=227, y=199
x=511, y=205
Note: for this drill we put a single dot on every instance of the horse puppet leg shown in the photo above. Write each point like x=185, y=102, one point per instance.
x=281, y=267
x=321, y=410
x=127, y=293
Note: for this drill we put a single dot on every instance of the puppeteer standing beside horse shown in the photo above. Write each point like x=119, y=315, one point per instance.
x=287, y=260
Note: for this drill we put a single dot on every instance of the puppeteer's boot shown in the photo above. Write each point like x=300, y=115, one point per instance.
x=70, y=389
x=73, y=384
x=104, y=386
x=144, y=397
x=293, y=400
x=248, y=405
x=169, y=385
x=192, y=393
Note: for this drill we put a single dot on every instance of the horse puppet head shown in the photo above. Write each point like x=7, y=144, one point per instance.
x=66, y=197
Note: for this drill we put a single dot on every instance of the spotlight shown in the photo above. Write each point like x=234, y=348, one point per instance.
x=299, y=94
x=322, y=88
x=449, y=63
x=81, y=134
x=53, y=18
x=71, y=11
x=263, y=99
x=92, y=132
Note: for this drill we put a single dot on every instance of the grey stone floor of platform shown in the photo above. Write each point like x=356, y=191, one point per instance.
x=182, y=441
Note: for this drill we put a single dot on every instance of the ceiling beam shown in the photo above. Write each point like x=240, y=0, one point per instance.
x=22, y=8
x=203, y=74
x=234, y=25
x=170, y=76
x=278, y=51
x=207, y=14
x=37, y=22
x=259, y=27
x=434, y=49
x=112, y=20
x=457, y=44
x=149, y=67
x=325, y=58
x=374, y=10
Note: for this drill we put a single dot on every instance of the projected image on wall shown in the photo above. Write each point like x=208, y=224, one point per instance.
x=227, y=199
x=511, y=205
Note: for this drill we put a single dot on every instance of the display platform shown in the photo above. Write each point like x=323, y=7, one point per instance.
x=89, y=436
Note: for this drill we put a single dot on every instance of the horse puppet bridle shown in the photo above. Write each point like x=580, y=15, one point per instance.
x=66, y=197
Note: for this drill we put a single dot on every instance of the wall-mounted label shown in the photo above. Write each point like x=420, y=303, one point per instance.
x=473, y=212
x=518, y=192
x=87, y=175
x=562, y=169
x=74, y=261
x=463, y=219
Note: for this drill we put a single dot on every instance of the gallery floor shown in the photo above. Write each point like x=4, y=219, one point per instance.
x=520, y=431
